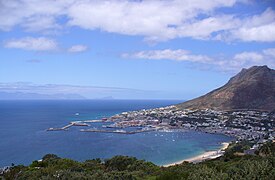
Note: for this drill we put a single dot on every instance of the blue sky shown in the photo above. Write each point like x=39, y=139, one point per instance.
x=131, y=49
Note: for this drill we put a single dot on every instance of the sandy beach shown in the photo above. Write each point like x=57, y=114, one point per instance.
x=205, y=156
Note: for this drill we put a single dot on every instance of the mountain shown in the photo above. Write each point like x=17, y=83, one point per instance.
x=36, y=96
x=251, y=89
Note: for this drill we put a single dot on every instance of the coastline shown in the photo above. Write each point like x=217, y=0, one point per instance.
x=202, y=157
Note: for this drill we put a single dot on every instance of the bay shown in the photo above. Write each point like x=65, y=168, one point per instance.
x=23, y=135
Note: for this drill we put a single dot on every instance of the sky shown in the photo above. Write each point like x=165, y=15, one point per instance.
x=131, y=49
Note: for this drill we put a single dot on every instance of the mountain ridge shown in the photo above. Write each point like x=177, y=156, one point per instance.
x=250, y=89
x=38, y=96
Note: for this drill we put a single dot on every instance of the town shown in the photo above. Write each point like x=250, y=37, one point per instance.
x=248, y=125
x=242, y=124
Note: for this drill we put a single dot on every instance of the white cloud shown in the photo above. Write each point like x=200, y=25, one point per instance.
x=43, y=24
x=30, y=43
x=259, y=28
x=203, y=29
x=244, y=60
x=29, y=13
x=168, y=54
x=252, y=56
x=234, y=63
x=269, y=52
x=77, y=48
x=155, y=20
x=41, y=44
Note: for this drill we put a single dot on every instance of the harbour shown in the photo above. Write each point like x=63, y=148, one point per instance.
x=118, y=131
x=105, y=128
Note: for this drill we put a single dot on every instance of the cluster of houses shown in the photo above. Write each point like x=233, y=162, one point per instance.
x=242, y=124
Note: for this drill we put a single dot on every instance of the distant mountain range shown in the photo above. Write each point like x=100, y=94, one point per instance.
x=251, y=89
x=34, y=96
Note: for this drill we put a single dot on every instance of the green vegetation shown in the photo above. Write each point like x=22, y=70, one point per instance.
x=230, y=166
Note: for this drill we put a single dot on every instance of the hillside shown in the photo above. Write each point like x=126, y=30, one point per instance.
x=232, y=165
x=252, y=88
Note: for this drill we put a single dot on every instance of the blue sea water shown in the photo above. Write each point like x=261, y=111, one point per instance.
x=23, y=137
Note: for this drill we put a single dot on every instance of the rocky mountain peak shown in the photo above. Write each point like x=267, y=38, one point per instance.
x=252, y=88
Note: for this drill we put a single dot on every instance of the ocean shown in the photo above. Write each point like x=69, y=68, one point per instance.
x=23, y=135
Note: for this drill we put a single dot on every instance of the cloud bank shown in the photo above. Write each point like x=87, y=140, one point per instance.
x=41, y=44
x=230, y=64
x=30, y=43
x=157, y=20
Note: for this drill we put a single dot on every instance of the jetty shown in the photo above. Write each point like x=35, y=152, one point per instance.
x=61, y=129
x=79, y=123
x=74, y=123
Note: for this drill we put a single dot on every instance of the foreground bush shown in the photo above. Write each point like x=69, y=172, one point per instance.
x=230, y=166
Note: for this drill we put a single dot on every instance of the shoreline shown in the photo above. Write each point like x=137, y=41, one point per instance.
x=202, y=157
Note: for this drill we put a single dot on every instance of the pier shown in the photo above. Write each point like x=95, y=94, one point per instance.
x=74, y=123
x=79, y=124
x=61, y=129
